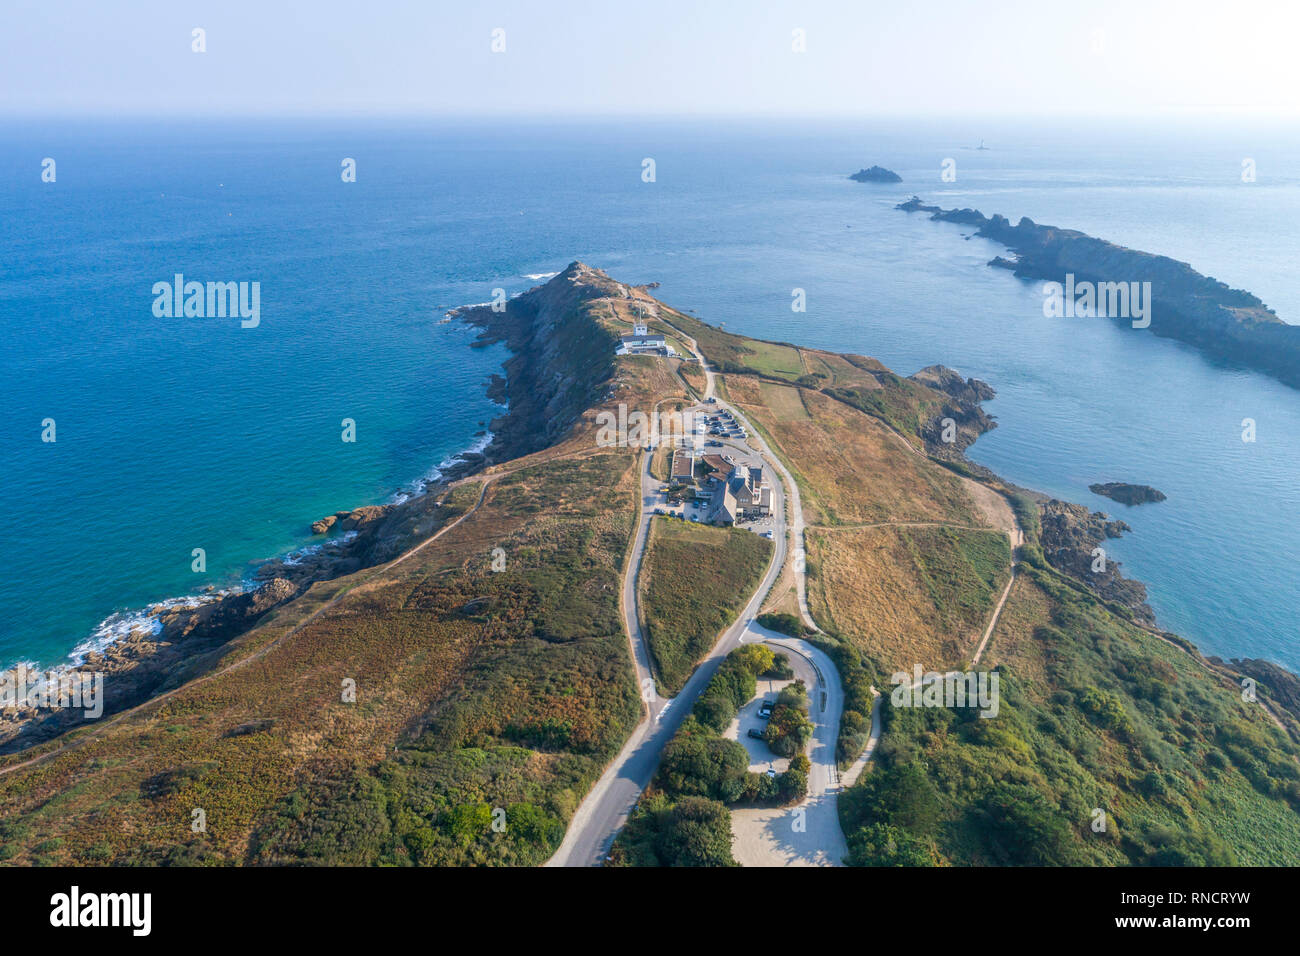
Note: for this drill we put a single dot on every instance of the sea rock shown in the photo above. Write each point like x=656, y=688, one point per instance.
x=876, y=174
x=1127, y=494
x=360, y=517
x=323, y=525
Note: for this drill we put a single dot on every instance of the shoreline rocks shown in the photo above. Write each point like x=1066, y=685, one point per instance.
x=1071, y=534
x=965, y=409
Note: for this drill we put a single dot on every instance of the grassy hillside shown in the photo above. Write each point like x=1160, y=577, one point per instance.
x=490, y=673
x=695, y=579
x=851, y=469
x=1096, y=718
x=908, y=595
x=1112, y=745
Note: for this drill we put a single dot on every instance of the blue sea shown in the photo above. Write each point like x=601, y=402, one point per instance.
x=183, y=433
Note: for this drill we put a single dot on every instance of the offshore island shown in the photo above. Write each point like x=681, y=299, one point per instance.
x=652, y=650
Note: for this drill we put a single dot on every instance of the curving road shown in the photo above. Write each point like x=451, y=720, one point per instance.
x=607, y=806
x=807, y=834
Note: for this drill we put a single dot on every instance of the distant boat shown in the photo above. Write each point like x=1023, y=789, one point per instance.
x=981, y=145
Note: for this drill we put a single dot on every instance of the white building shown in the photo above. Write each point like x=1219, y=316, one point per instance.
x=644, y=342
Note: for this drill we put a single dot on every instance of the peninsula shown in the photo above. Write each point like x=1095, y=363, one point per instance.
x=549, y=656
x=1229, y=325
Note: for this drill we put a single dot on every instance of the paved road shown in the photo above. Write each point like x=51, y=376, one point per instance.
x=606, y=807
x=807, y=834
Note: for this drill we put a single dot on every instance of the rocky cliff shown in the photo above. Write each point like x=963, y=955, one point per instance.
x=561, y=358
x=1070, y=533
x=962, y=406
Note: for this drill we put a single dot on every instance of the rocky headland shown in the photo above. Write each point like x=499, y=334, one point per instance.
x=1070, y=536
x=1231, y=325
x=557, y=369
x=963, y=409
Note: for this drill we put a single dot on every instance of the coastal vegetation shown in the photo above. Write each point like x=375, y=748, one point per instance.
x=701, y=772
x=1113, y=744
x=695, y=578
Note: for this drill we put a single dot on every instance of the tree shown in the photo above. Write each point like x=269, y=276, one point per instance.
x=705, y=766
x=696, y=832
x=879, y=844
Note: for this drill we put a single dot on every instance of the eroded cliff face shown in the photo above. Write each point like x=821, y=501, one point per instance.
x=962, y=406
x=1230, y=324
x=1070, y=534
x=561, y=361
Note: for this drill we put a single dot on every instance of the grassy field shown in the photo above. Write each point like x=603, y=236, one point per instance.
x=770, y=358
x=1095, y=718
x=784, y=402
x=851, y=469
x=695, y=579
x=907, y=595
x=693, y=375
x=662, y=462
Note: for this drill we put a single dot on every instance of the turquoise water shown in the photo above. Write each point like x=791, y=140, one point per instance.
x=183, y=433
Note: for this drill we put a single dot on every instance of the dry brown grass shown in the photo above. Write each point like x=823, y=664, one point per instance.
x=907, y=595
x=852, y=469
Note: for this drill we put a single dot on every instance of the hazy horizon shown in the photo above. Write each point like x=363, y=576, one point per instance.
x=577, y=58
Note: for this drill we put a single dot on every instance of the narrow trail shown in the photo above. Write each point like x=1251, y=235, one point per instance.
x=98, y=731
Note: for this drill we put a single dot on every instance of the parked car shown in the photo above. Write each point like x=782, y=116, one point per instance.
x=771, y=772
x=765, y=711
x=714, y=444
x=756, y=733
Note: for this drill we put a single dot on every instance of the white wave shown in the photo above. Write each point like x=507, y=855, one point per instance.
x=122, y=624
x=297, y=557
x=539, y=276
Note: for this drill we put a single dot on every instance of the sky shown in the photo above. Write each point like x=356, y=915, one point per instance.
x=663, y=57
